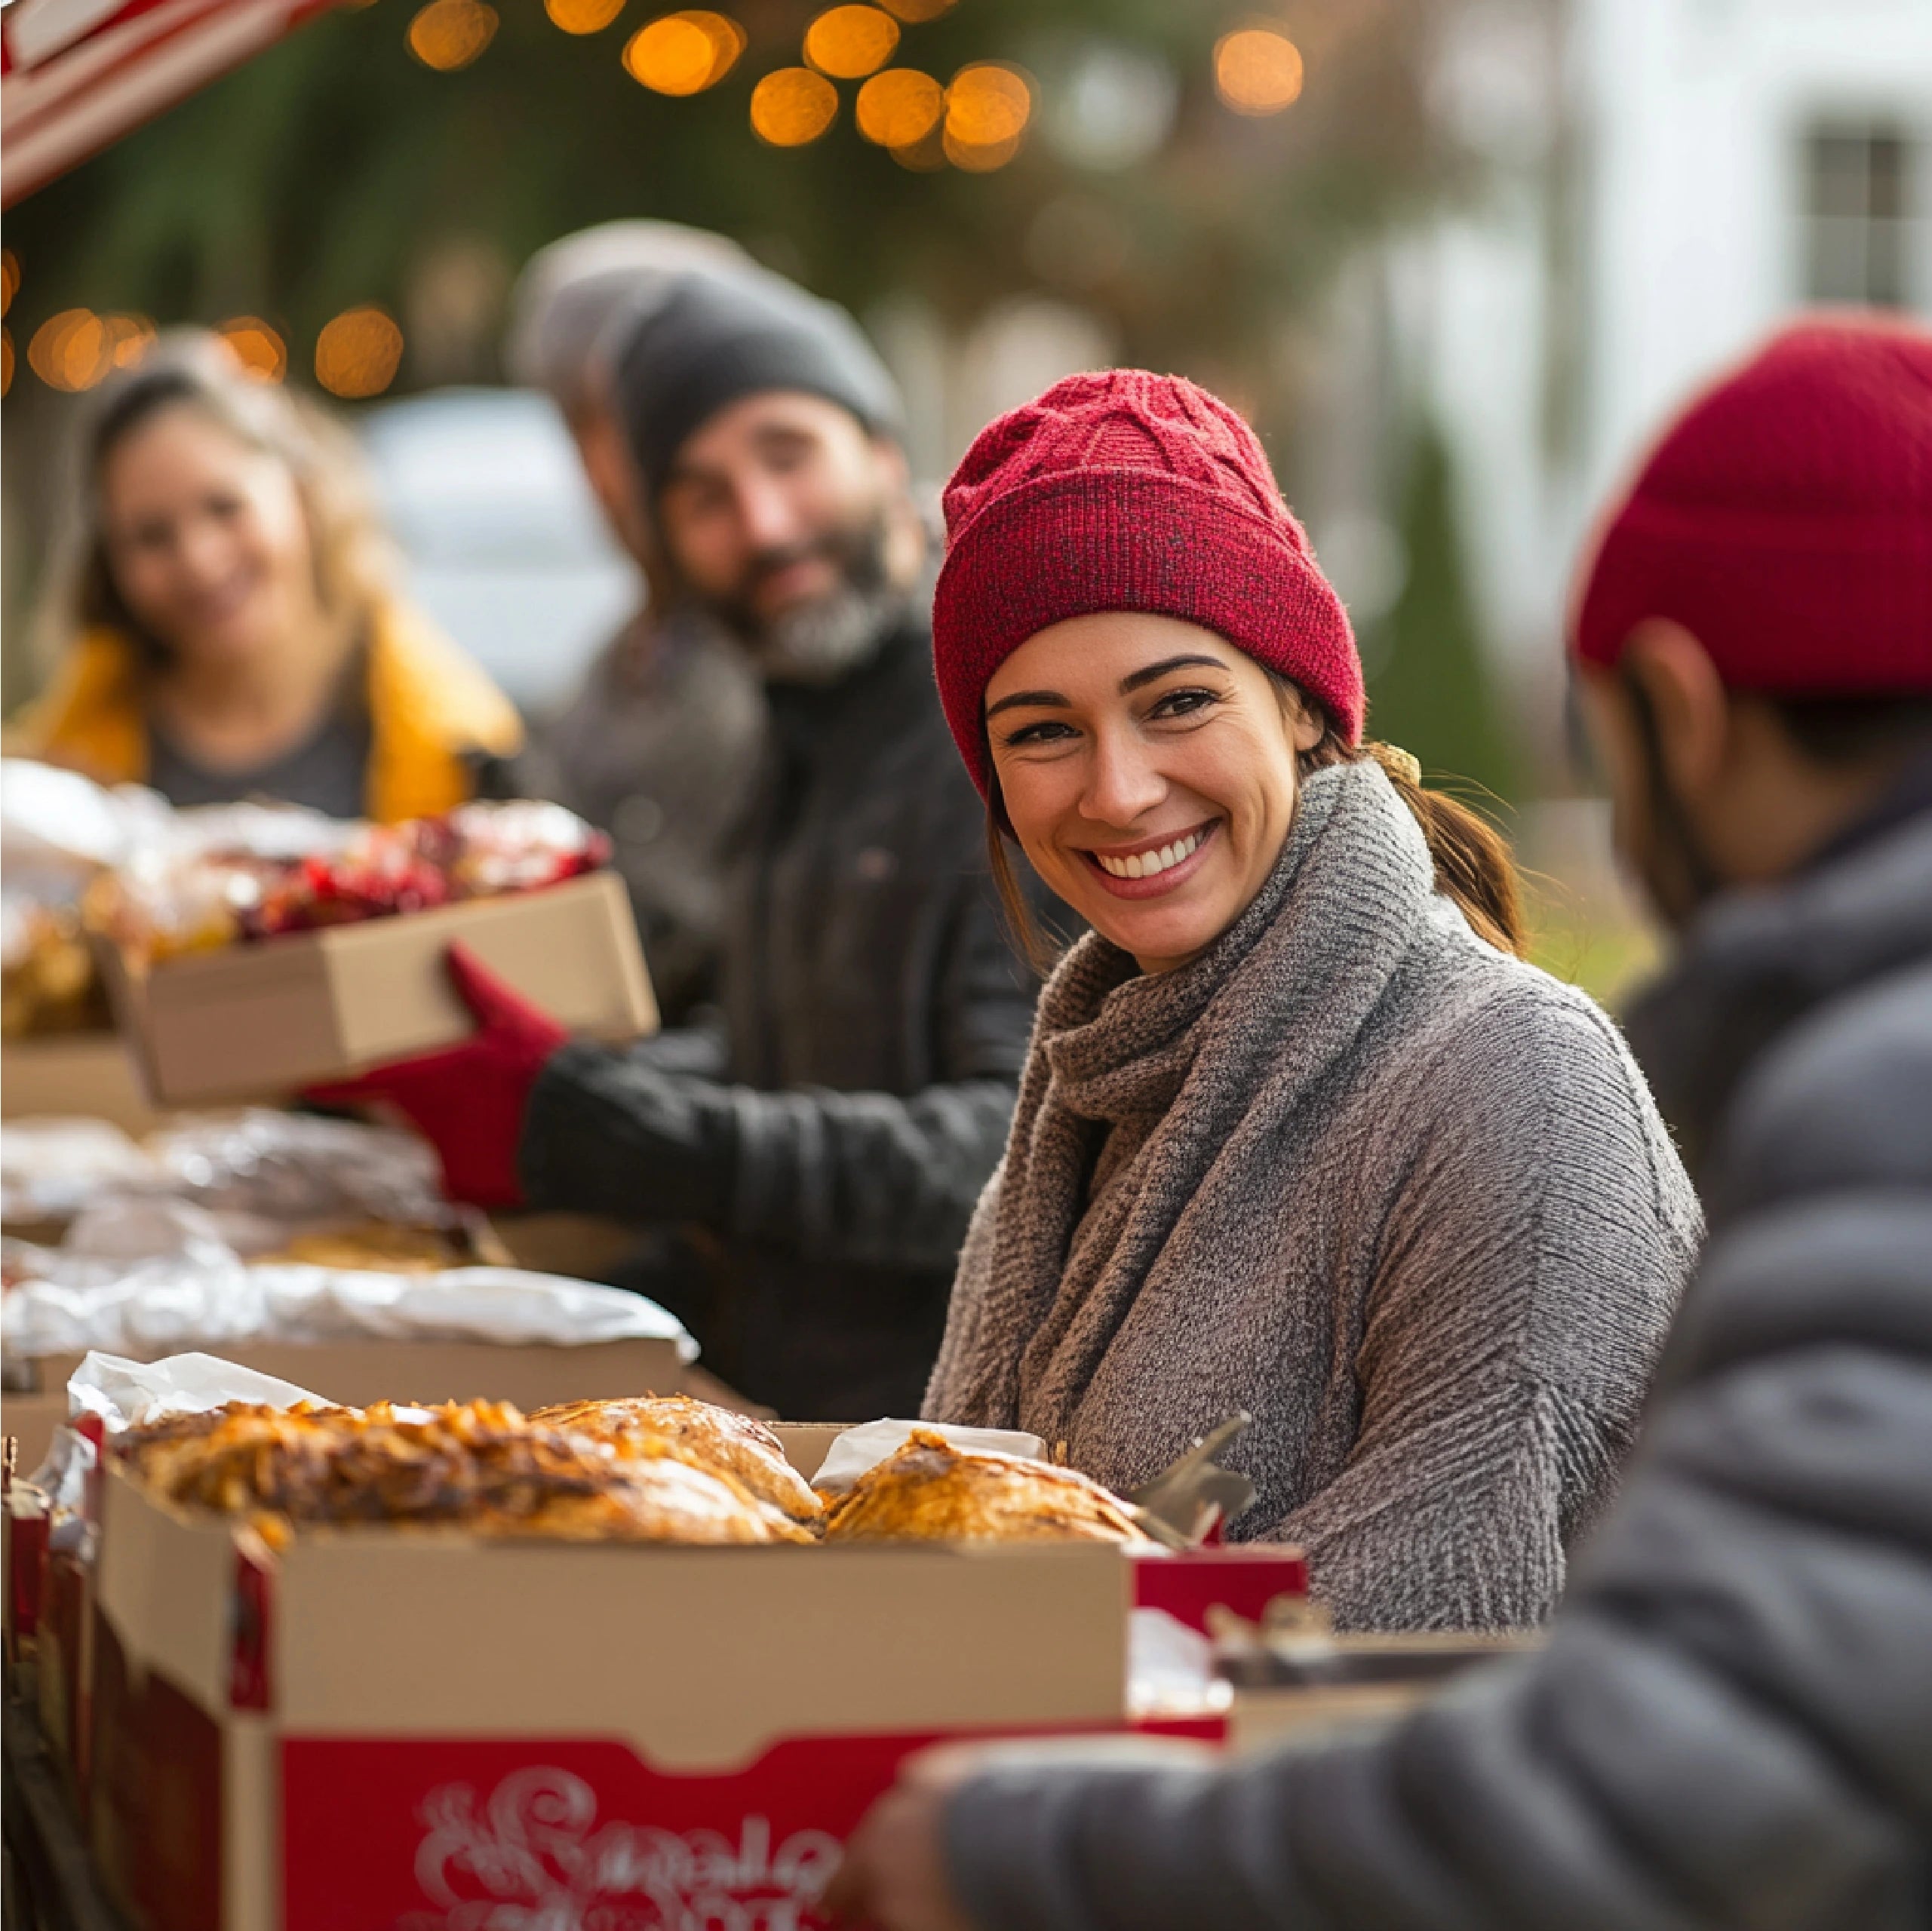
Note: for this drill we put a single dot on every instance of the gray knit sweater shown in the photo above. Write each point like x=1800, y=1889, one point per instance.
x=1404, y=1199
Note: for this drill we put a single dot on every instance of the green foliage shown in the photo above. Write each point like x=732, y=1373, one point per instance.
x=319, y=174
x=1430, y=687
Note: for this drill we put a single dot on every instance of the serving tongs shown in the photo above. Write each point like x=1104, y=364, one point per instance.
x=1183, y=1505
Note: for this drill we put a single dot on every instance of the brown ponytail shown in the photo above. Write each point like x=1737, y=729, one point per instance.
x=1473, y=864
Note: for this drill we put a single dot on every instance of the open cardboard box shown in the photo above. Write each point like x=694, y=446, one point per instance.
x=253, y=1021
x=75, y=1075
x=384, y=1728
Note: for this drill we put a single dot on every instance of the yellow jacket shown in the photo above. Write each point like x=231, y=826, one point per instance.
x=428, y=705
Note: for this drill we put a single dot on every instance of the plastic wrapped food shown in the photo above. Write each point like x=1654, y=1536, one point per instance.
x=196, y=892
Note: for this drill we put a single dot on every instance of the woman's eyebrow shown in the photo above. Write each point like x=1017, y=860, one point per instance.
x=1160, y=670
x=1052, y=700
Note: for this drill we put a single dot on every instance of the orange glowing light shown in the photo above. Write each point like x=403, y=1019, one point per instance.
x=1258, y=70
x=127, y=339
x=10, y=278
x=988, y=105
x=900, y=107
x=582, y=16
x=983, y=157
x=256, y=346
x=450, y=34
x=684, y=53
x=6, y=358
x=793, y=106
x=71, y=351
x=850, y=42
x=912, y=12
x=358, y=353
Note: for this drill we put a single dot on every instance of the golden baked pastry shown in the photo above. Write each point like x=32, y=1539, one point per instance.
x=726, y=1443
x=377, y=1246
x=479, y=1466
x=929, y=1490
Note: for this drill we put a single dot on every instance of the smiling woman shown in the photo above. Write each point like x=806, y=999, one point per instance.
x=1300, y=1134
x=222, y=612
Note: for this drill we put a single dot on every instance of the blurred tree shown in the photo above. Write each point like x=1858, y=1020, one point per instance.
x=324, y=172
x=1431, y=688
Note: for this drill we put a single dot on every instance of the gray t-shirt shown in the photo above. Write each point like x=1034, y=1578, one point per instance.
x=328, y=771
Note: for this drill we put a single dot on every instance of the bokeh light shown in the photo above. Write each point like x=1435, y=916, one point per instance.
x=1258, y=70
x=979, y=156
x=684, y=53
x=926, y=155
x=358, y=353
x=10, y=278
x=583, y=16
x=257, y=346
x=71, y=351
x=6, y=358
x=450, y=34
x=793, y=106
x=912, y=12
x=987, y=108
x=127, y=339
x=900, y=107
x=850, y=42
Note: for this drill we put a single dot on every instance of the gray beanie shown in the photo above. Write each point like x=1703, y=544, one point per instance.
x=715, y=339
x=564, y=300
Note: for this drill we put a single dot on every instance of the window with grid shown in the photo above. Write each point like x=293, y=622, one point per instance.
x=1866, y=224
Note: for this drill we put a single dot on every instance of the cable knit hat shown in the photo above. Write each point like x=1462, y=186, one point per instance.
x=1127, y=491
x=1785, y=519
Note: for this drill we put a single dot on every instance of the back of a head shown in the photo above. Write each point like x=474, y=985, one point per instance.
x=717, y=337
x=568, y=292
x=1784, y=519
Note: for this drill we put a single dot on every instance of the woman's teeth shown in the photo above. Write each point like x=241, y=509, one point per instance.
x=1146, y=864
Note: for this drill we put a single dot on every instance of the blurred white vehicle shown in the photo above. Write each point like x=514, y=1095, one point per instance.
x=503, y=542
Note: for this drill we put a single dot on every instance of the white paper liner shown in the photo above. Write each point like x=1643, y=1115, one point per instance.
x=860, y=1448
x=126, y=1393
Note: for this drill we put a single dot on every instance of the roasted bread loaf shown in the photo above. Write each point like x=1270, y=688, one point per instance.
x=929, y=1490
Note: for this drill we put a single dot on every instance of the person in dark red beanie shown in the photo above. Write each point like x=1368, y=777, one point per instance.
x=1731, y=1724
x=1752, y=634
x=1286, y=1094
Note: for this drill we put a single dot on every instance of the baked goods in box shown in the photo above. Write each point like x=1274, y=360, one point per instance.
x=194, y=898
x=478, y=1465
x=929, y=1490
x=729, y=1443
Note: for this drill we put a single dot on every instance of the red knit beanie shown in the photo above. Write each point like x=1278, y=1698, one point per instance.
x=1785, y=519
x=1127, y=491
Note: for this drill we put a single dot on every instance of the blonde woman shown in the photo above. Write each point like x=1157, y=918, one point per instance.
x=224, y=616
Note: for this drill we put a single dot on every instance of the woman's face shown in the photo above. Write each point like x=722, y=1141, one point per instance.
x=207, y=538
x=1148, y=768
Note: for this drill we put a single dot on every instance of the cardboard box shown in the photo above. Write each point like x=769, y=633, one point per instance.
x=75, y=1075
x=358, y=1373
x=260, y=1021
x=379, y=1728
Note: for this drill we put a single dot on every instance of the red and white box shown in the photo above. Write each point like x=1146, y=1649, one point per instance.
x=394, y=1730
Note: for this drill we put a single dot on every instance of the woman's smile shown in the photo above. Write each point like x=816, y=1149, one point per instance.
x=1153, y=865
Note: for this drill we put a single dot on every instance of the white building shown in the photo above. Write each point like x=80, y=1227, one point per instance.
x=1668, y=179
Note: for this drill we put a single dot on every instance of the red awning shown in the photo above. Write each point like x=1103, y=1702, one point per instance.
x=76, y=75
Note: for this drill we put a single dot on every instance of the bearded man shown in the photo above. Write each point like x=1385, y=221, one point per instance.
x=809, y=1170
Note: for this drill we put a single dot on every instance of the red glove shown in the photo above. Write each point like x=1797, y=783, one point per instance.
x=468, y=1100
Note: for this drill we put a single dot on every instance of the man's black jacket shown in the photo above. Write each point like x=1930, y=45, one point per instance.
x=834, y=1141
x=1731, y=1727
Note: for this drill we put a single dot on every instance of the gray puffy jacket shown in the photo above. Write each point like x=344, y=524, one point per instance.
x=1731, y=1726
